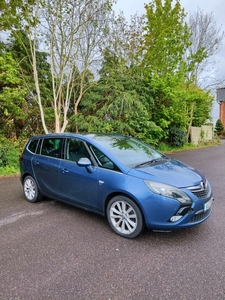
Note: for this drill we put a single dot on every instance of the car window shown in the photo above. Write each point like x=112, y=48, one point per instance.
x=102, y=160
x=75, y=149
x=51, y=147
x=38, y=150
x=32, y=146
x=127, y=150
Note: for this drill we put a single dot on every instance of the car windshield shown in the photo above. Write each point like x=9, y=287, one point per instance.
x=127, y=150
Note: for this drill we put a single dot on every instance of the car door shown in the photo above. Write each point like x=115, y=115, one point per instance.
x=46, y=164
x=78, y=184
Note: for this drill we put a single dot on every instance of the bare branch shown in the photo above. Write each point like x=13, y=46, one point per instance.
x=206, y=42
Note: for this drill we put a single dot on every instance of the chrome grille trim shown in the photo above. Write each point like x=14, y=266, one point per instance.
x=201, y=191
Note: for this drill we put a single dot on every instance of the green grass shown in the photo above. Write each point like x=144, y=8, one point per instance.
x=167, y=148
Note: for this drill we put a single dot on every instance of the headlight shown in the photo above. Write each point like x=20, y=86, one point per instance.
x=168, y=191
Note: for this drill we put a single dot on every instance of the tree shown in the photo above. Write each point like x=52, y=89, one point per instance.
x=71, y=32
x=198, y=104
x=118, y=100
x=30, y=123
x=12, y=12
x=125, y=39
x=117, y=103
x=166, y=39
x=178, y=102
x=206, y=40
x=12, y=94
x=219, y=127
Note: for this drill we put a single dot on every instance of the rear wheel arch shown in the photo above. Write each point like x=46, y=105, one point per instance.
x=31, y=189
x=24, y=176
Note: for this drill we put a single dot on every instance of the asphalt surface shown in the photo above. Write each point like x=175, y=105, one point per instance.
x=54, y=251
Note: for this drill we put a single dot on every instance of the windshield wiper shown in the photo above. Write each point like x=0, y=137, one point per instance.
x=149, y=162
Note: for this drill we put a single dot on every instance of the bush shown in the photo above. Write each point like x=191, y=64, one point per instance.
x=177, y=137
x=9, y=157
x=219, y=127
x=3, y=156
x=3, y=152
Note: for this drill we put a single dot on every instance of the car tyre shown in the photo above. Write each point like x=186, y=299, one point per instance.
x=30, y=190
x=125, y=217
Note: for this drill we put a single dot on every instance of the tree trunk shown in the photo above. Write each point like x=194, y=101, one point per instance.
x=191, y=120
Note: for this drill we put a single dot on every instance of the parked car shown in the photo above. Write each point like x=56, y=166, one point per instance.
x=116, y=176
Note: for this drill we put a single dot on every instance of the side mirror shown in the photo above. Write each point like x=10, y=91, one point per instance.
x=85, y=162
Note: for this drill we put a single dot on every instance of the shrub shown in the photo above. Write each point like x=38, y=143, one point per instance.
x=219, y=127
x=3, y=156
x=3, y=152
x=177, y=136
x=9, y=157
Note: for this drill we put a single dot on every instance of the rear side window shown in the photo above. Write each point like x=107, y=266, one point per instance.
x=52, y=147
x=32, y=146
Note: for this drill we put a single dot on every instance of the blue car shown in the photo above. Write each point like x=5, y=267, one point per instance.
x=117, y=176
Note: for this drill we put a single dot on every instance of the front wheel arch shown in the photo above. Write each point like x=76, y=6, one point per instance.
x=131, y=216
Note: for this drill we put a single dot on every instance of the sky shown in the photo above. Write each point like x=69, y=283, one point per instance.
x=216, y=7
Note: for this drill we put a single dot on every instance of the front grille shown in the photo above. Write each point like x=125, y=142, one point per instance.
x=200, y=191
x=201, y=216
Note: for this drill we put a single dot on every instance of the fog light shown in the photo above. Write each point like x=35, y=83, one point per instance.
x=175, y=218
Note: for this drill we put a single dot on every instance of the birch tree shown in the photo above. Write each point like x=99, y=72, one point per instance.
x=206, y=41
x=70, y=31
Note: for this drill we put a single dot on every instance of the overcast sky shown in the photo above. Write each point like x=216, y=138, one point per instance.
x=217, y=7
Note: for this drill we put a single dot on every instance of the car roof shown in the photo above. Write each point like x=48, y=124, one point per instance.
x=89, y=135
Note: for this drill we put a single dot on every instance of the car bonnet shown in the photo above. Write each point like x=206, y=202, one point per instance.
x=172, y=172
